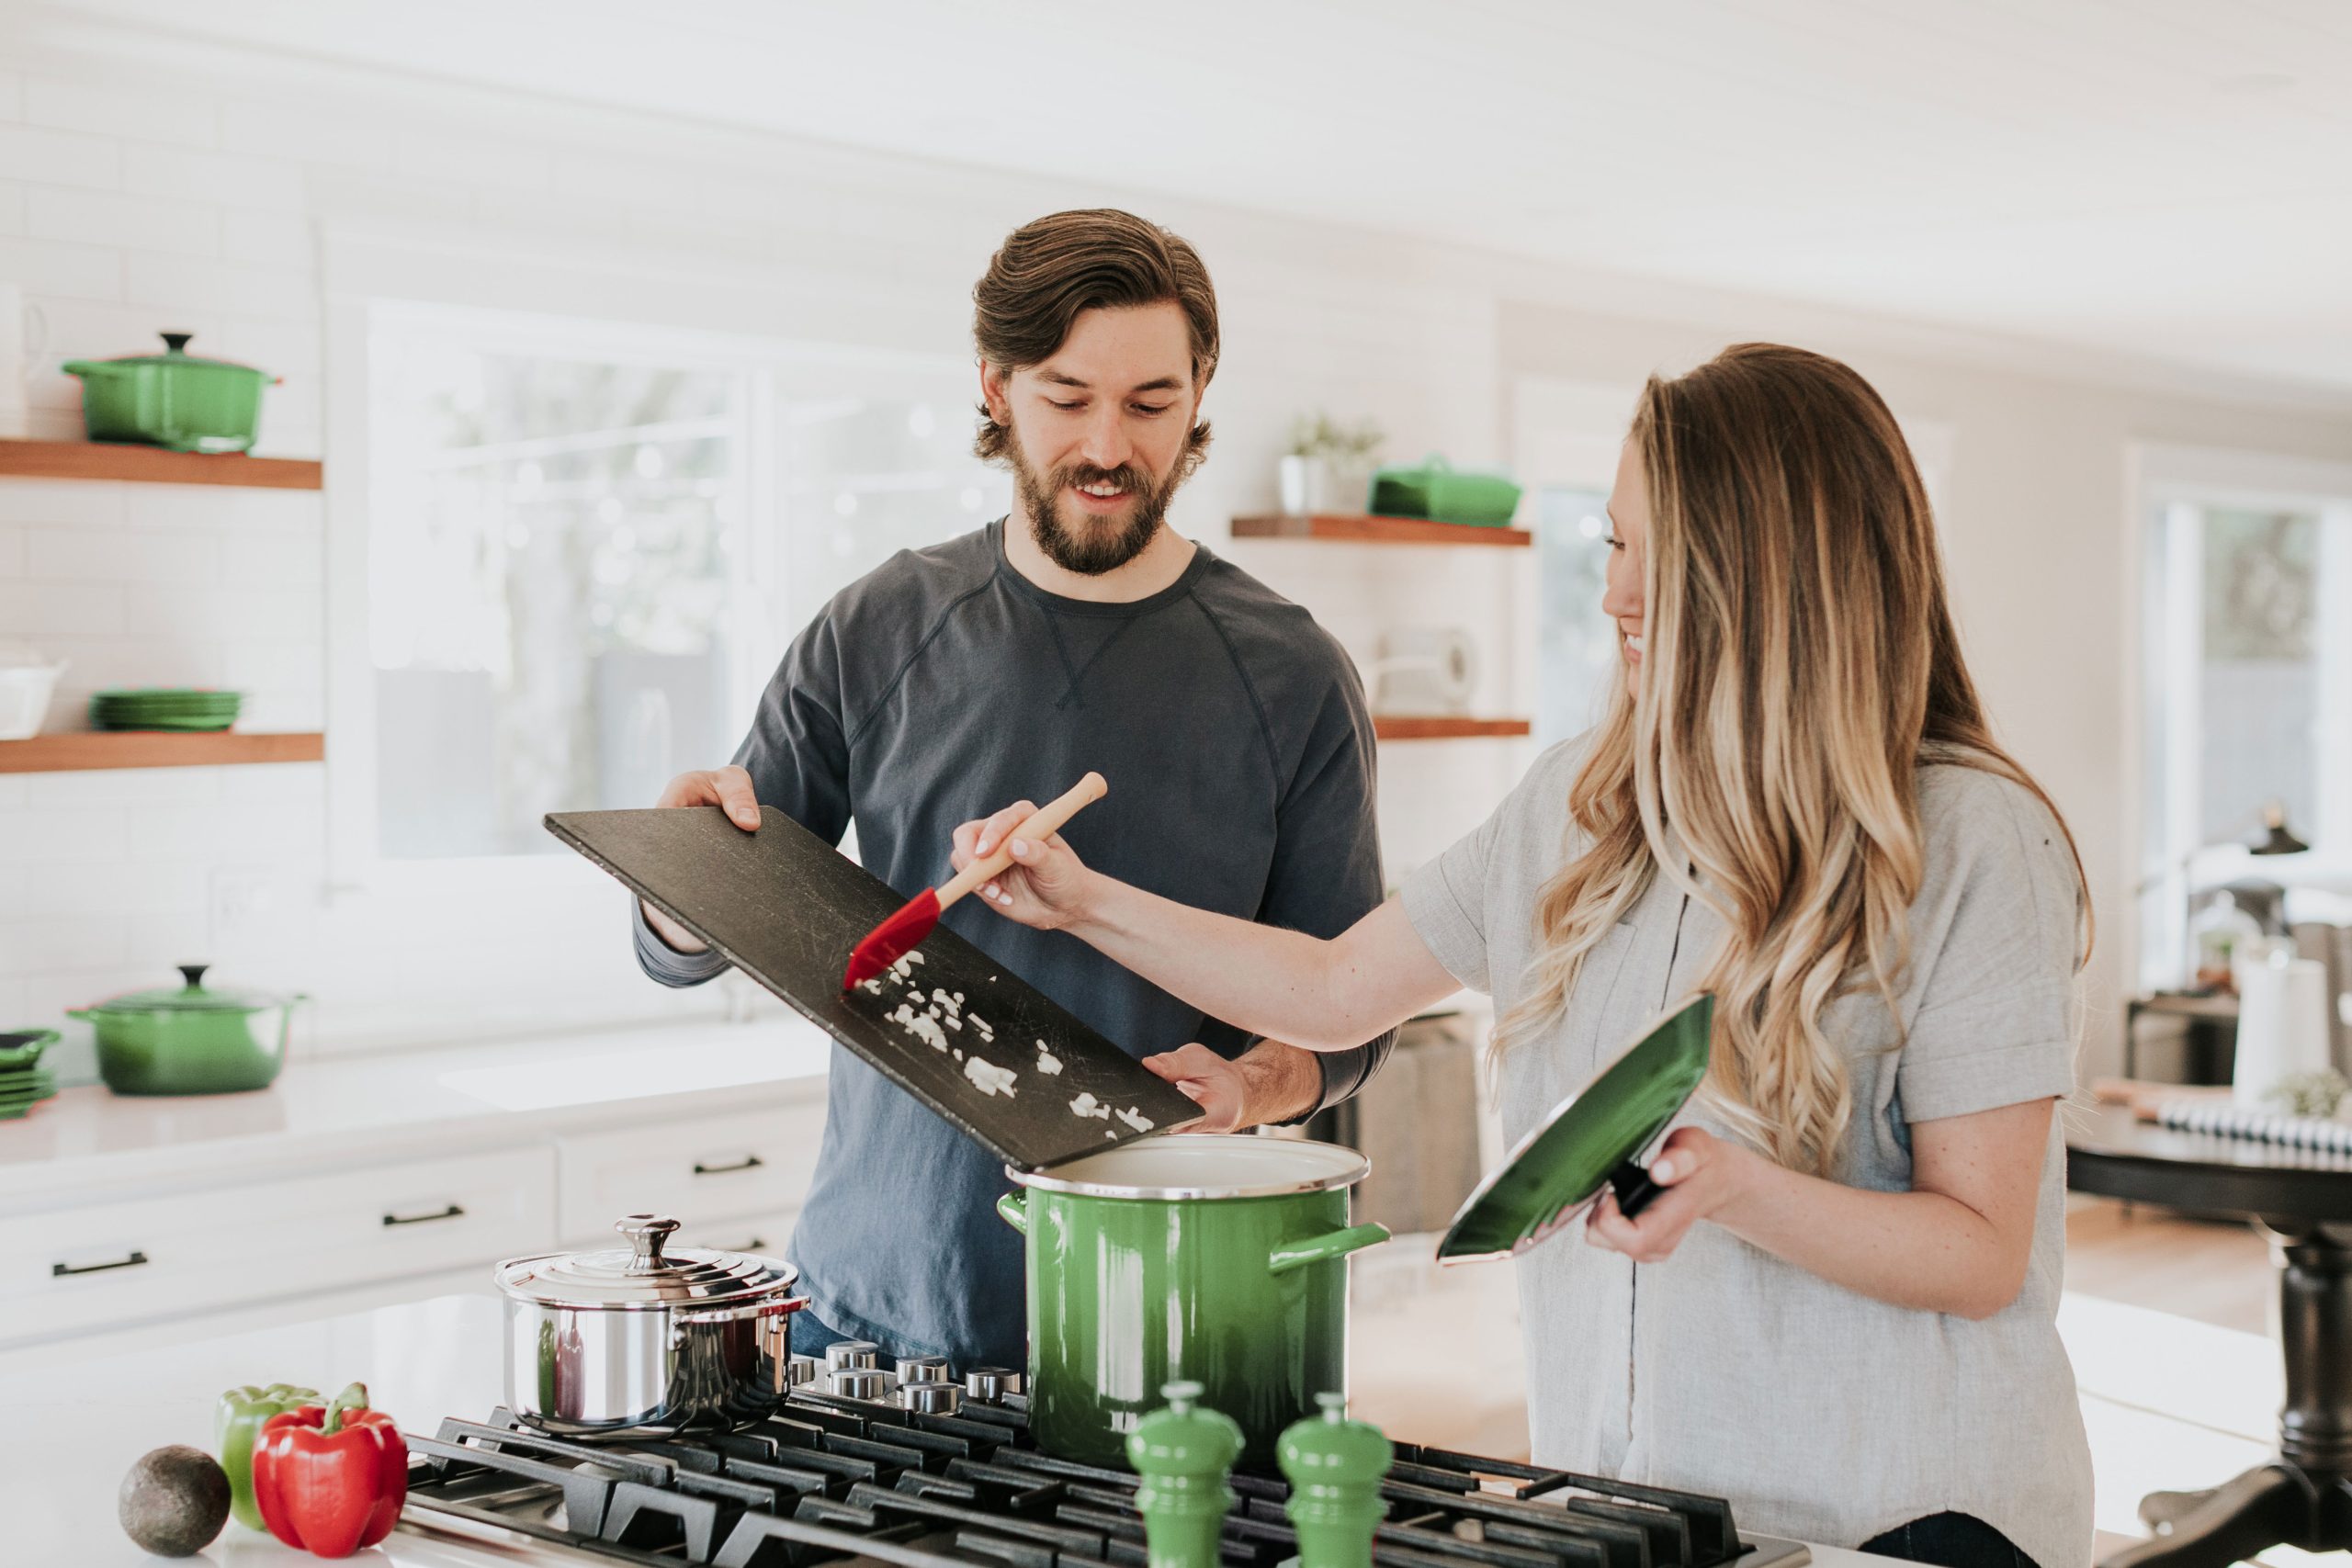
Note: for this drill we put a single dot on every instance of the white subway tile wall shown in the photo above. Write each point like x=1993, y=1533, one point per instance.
x=132, y=203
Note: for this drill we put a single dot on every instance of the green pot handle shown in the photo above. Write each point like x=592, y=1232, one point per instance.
x=1322, y=1248
x=1013, y=1212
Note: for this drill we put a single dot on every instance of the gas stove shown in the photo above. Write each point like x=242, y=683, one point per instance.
x=833, y=1480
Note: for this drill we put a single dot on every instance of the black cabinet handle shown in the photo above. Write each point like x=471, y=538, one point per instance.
x=749, y=1162
x=451, y=1212
x=59, y=1270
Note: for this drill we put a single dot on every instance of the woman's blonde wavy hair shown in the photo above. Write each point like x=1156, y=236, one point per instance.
x=1800, y=665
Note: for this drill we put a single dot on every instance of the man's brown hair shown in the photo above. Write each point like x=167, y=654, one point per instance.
x=1046, y=272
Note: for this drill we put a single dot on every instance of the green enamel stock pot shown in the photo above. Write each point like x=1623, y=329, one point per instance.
x=1220, y=1260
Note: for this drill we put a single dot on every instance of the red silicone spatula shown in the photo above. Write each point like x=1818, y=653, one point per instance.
x=904, y=931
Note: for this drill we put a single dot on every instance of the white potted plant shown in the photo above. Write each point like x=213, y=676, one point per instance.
x=1328, y=465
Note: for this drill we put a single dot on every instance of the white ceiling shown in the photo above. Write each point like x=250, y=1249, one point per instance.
x=2163, y=178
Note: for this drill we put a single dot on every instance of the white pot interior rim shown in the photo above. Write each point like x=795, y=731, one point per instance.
x=1190, y=1165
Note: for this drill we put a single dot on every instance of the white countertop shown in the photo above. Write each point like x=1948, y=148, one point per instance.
x=73, y=1427
x=395, y=1099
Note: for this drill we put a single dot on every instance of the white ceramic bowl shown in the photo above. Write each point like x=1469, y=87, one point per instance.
x=24, y=697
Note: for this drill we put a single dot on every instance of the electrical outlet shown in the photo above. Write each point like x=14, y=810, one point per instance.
x=244, y=900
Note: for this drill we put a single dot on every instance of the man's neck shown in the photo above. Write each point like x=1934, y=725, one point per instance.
x=1157, y=565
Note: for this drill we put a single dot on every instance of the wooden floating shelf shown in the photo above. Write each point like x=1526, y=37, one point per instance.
x=89, y=750
x=153, y=465
x=1366, y=530
x=1403, y=728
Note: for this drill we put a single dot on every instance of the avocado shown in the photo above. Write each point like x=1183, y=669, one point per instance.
x=175, y=1501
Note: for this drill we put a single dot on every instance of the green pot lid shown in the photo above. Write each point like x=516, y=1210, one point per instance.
x=1184, y=1439
x=194, y=996
x=1559, y=1168
x=174, y=353
x=1331, y=1450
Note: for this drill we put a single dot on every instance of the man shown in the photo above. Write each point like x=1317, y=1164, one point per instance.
x=1078, y=633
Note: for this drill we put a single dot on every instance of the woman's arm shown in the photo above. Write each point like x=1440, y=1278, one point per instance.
x=1325, y=996
x=1958, y=1241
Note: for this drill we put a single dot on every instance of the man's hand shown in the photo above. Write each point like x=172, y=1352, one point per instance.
x=730, y=787
x=1271, y=1082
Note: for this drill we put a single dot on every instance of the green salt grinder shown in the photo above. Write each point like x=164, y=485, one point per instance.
x=1335, y=1467
x=1183, y=1453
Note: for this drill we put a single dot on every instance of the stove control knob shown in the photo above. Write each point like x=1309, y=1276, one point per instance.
x=848, y=1355
x=861, y=1383
x=990, y=1384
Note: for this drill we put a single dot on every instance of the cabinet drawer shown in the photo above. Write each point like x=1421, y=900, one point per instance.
x=114, y=1263
x=767, y=1235
x=713, y=1167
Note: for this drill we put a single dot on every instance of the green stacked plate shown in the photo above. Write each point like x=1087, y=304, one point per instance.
x=165, y=707
x=24, y=1082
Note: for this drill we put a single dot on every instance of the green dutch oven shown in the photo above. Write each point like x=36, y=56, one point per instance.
x=172, y=399
x=1216, y=1260
x=188, y=1040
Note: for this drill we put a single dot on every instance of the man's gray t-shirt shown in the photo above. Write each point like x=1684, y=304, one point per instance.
x=1233, y=732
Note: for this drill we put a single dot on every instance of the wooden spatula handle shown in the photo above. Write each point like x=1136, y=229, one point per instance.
x=1044, y=822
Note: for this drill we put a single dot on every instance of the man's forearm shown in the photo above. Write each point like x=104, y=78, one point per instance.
x=1280, y=1083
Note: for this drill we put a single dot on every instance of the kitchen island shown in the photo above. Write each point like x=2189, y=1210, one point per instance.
x=74, y=1426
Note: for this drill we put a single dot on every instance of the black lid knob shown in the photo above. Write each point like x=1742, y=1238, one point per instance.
x=176, y=343
x=195, y=974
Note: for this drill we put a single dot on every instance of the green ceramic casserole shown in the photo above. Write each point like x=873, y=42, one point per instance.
x=1216, y=1260
x=173, y=398
x=190, y=1040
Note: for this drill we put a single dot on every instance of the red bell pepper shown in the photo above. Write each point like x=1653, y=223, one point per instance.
x=333, y=1480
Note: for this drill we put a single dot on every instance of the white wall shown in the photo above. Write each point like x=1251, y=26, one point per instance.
x=248, y=198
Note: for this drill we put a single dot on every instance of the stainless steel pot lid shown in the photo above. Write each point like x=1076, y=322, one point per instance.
x=644, y=1276
x=1200, y=1165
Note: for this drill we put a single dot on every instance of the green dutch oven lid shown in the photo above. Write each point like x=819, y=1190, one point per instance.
x=1183, y=1439
x=1589, y=1141
x=1331, y=1450
x=191, y=997
x=174, y=353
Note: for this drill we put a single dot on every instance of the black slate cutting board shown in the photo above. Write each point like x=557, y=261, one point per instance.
x=786, y=908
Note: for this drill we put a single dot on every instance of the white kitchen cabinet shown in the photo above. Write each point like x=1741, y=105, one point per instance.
x=107, y=1265
x=767, y=1235
x=715, y=1168
x=141, y=1220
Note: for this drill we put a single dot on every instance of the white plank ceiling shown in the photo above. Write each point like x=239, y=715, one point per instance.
x=2168, y=179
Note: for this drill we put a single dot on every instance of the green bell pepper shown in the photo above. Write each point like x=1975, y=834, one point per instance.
x=236, y=1422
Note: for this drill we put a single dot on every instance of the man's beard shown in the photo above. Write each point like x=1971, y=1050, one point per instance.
x=1090, y=546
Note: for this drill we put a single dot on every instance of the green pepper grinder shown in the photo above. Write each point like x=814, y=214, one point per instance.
x=236, y=1421
x=1335, y=1467
x=1183, y=1453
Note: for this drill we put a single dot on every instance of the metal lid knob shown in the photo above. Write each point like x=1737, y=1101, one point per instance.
x=647, y=1234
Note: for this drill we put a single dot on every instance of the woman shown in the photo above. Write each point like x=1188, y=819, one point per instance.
x=1842, y=1312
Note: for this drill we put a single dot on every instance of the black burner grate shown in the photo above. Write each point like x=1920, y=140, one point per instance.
x=830, y=1482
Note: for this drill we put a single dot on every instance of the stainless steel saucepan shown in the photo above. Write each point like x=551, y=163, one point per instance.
x=639, y=1341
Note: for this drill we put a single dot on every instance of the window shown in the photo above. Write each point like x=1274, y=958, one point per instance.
x=585, y=555
x=2247, y=682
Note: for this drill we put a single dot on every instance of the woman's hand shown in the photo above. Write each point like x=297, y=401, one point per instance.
x=1701, y=1174
x=1047, y=884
